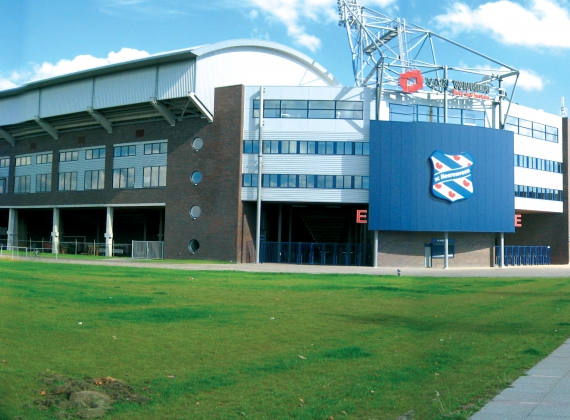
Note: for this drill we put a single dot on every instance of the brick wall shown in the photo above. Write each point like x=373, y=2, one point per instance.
x=406, y=249
x=219, y=228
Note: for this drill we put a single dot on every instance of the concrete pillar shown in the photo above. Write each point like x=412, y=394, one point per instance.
x=55, y=231
x=375, y=250
x=109, y=233
x=12, y=227
x=445, y=250
x=502, y=251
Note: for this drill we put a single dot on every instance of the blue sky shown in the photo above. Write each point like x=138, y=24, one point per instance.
x=46, y=38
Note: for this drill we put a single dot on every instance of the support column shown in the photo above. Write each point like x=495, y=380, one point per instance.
x=55, y=231
x=445, y=250
x=290, y=233
x=375, y=250
x=12, y=227
x=279, y=231
x=109, y=232
x=259, y=178
x=502, y=250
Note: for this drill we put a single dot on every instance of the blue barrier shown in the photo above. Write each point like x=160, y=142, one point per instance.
x=315, y=253
x=523, y=255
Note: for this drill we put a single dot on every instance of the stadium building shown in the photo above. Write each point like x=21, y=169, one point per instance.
x=205, y=153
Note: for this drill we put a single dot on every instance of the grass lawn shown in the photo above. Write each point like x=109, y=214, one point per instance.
x=203, y=345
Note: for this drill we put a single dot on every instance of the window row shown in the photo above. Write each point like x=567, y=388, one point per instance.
x=412, y=113
x=540, y=193
x=352, y=110
x=307, y=181
x=537, y=163
x=120, y=151
x=98, y=153
x=308, y=147
x=68, y=156
x=532, y=129
x=153, y=176
x=4, y=162
x=23, y=161
x=44, y=158
x=155, y=148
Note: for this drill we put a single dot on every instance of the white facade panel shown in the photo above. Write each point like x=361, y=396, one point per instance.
x=546, y=206
x=251, y=66
x=176, y=80
x=316, y=164
x=528, y=146
x=535, y=178
x=66, y=98
x=306, y=195
x=34, y=169
x=81, y=165
x=139, y=161
x=125, y=88
x=17, y=109
x=363, y=136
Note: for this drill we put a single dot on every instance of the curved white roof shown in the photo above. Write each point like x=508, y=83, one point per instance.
x=160, y=77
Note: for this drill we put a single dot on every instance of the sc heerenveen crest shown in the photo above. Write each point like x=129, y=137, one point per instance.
x=452, y=178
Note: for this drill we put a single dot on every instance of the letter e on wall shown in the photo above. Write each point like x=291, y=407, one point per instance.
x=361, y=216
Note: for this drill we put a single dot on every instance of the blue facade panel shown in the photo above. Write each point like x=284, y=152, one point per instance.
x=401, y=175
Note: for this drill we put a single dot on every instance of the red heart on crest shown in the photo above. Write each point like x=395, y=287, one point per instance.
x=456, y=157
x=451, y=194
x=438, y=186
x=438, y=165
x=466, y=183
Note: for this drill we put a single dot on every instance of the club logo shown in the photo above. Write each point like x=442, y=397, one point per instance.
x=411, y=81
x=452, y=179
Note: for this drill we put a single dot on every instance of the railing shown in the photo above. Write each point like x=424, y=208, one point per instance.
x=76, y=247
x=316, y=253
x=148, y=250
x=523, y=255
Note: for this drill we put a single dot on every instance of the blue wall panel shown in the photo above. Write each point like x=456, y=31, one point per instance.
x=401, y=174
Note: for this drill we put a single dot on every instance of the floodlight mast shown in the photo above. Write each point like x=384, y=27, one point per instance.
x=382, y=48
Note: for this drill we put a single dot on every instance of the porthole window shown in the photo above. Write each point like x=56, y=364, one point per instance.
x=196, y=177
x=193, y=246
x=197, y=143
x=195, y=212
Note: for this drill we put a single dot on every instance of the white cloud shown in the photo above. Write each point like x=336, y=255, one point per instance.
x=293, y=13
x=65, y=66
x=529, y=81
x=543, y=23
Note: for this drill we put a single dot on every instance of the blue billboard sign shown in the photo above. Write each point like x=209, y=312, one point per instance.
x=440, y=177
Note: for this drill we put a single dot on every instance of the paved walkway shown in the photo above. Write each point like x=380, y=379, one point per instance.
x=544, y=394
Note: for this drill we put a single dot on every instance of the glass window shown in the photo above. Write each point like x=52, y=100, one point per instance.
x=195, y=212
x=154, y=176
x=193, y=246
x=23, y=160
x=329, y=180
x=321, y=147
x=310, y=181
x=197, y=144
x=43, y=183
x=302, y=181
x=67, y=181
x=311, y=147
x=347, y=181
x=94, y=180
x=22, y=184
x=196, y=177
x=302, y=147
x=357, y=182
x=158, y=148
x=4, y=162
x=320, y=181
x=124, y=178
x=340, y=148
x=3, y=185
x=339, y=181
x=273, y=179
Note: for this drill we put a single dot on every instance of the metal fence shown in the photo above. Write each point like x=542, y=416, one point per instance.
x=316, y=253
x=523, y=255
x=148, y=250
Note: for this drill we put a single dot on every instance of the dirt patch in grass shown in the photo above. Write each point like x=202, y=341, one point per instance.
x=86, y=398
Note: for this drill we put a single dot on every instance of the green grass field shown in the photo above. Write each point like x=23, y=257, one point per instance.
x=203, y=345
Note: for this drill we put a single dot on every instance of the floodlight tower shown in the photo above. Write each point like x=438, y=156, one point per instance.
x=384, y=48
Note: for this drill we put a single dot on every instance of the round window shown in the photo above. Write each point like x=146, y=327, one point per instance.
x=196, y=177
x=195, y=211
x=193, y=245
x=197, y=143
